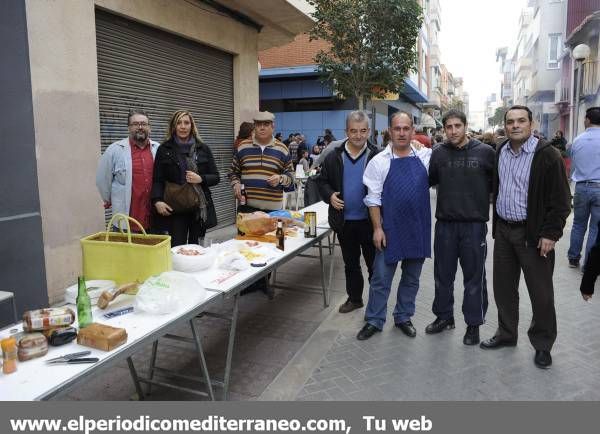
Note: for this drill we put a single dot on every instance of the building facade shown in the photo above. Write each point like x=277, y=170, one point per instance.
x=536, y=60
x=507, y=70
x=578, y=87
x=291, y=88
x=76, y=69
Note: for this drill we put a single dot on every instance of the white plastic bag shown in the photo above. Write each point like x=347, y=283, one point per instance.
x=167, y=292
x=233, y=261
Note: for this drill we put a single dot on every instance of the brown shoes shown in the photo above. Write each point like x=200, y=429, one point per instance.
x=349, y=306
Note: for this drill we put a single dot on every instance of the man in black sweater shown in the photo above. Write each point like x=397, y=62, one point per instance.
x=462, y=170
x=341, y=186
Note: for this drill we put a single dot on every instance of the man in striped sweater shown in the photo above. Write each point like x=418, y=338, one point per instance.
x=263, y=165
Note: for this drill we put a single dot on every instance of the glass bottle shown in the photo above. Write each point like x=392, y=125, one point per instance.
x=280, y=235
x=244, y=198
x=84, y=305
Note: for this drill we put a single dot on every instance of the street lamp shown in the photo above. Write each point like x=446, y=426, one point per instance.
x=580, y=53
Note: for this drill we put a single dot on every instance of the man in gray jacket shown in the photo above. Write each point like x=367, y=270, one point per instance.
x=124, y=174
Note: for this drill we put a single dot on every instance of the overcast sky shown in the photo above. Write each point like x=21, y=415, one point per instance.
x=471, y=32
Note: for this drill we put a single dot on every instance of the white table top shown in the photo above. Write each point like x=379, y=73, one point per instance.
x=217, y=279
x=35, y=380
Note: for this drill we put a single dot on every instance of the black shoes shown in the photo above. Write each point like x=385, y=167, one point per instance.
x=439, y=325
x=349, y=306
x=573, y=263
x=471, y=335
x=495, y=342
x=542, y=359
x=366, y=332
x=407, y=328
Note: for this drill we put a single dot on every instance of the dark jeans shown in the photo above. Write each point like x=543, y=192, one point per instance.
x=185, y=229
x=356, y=235
x=511, y=255
x=464, y=242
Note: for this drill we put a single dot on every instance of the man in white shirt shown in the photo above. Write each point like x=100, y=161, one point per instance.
x=400, y=211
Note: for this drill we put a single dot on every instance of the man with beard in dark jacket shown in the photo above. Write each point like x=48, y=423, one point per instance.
x=340, y=185
x=531, y=200
x=462, y=170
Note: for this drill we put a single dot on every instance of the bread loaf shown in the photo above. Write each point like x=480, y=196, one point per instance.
x=109, y=295
x=44, y=319
x=32, y=345
x=102, y=337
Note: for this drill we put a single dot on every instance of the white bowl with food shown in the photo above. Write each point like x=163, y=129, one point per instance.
x=190, y=258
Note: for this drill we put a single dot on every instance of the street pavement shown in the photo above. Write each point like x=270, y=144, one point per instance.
x=291, y=348
x=334, y=365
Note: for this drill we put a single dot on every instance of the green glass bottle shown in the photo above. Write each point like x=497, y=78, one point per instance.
x=84, y=305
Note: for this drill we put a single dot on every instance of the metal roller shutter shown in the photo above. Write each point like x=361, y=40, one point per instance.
x=139, y=66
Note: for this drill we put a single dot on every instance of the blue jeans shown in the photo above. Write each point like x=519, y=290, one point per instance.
x=586, y=209
x=381, y=284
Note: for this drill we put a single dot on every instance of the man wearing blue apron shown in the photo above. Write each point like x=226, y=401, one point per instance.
x=400, y=211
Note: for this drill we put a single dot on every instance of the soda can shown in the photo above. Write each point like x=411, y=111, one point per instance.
x=310, y=224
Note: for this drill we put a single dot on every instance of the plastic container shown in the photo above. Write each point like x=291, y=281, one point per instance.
x=186, y=260
x=9, y=355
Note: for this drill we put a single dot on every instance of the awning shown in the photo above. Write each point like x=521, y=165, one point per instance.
x=427, y=121
x=412, y=92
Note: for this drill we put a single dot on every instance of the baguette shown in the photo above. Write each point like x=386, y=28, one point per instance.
x=107, y=296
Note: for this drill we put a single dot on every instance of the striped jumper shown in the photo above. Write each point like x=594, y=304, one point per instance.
x=252, y=166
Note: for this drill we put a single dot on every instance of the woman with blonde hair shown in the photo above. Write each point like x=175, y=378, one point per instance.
x=184, y=169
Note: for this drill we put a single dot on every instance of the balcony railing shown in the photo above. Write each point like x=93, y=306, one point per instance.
x=523, y=65
x=590, y=81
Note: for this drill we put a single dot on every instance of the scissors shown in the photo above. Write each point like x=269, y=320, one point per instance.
x=73, y=358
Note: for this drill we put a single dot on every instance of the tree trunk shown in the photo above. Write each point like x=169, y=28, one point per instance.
x=362, y=101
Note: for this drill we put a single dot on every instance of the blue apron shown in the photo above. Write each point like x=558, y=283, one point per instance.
x=406, y=210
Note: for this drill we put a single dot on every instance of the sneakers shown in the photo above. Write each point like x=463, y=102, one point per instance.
x=471, y=335
x=439, y=325
x=349, y=306
x=573, y=263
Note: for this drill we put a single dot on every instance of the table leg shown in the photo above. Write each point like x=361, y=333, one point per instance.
x=203, y=366
x=152, y=364
x=331, y=267
x=325, y=290
x=234, y=317
x=14, y=304
x=136, y=381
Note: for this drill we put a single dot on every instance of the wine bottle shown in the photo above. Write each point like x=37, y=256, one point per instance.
x=84, y=305
x=280, y=235
x=244, y=198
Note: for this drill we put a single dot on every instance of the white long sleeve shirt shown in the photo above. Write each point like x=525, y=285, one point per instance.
x=378, y=168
